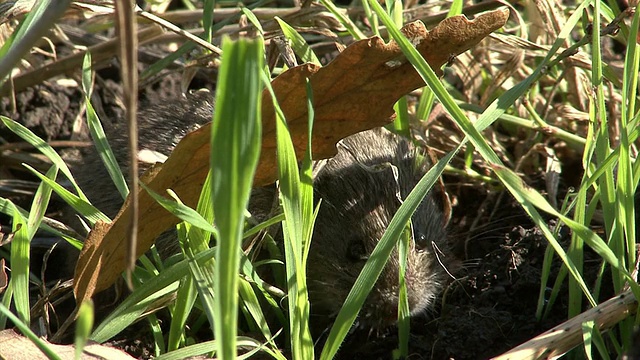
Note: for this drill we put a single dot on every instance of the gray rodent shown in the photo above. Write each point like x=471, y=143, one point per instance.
x=359, y=188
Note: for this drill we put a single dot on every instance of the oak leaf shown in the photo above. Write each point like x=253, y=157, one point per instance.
x=353, y=93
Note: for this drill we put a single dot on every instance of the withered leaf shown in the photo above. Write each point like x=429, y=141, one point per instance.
x=353, y=93
x=17, y=347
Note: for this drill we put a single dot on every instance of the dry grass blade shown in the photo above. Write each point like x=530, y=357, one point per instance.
x=564, y=337
x=12, y=9
x=126, y=29
x=100, y=53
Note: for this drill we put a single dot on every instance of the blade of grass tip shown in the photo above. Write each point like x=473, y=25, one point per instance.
x=395, y=12
x=252, y=304
x=35, y=25
x=344, y=20
x=587, y=336
x=425, y=104
x=170, y=26
x=19, y=282
x=44, y=148
x=158, y=335
x=207, y=19
x=6, y=209
x=26, y=331
x=97, y=132
x=180, y=210
x=401, y=123
x=253, y=19
x=456, y=8
x=576, y=254
x=236, y=132
x=403, y=302
x=81, y=206
x=84, y=324
x=372, y=17
x=298, y=43
x=306, y=175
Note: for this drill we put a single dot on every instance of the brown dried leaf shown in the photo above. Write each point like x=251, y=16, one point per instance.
x=17, y=347
x=353, y=93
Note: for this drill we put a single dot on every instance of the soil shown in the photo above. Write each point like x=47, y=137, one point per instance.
x=487, y=309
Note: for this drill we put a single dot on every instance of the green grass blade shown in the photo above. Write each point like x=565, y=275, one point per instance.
x=81, y=206
x=38, y=21
x=180, y=210
x=97, y=132
x=404, y=247
x=296, y=193
x=83, y=327
x=28, y=136
x=135, y=304
x=235, y=147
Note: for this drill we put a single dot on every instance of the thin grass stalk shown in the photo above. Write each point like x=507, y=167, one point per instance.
x=404, y=313
x=97, y=132
x=602, y=149
x=628, y=186
x=296, y=193
x=193, y=240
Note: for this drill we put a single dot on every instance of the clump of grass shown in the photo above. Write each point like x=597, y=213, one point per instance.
x=206, y=282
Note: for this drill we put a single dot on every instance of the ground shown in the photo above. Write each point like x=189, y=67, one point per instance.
x=487, y=309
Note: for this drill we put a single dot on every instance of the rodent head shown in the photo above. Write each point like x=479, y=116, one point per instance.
x=361, y=189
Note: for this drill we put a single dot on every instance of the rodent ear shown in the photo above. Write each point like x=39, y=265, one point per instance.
x=356, y=251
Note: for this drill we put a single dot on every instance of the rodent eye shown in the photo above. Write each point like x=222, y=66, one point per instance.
x=421, y=242
x=356, y=251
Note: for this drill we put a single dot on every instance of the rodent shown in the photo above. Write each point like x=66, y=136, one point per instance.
x=361, y=189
